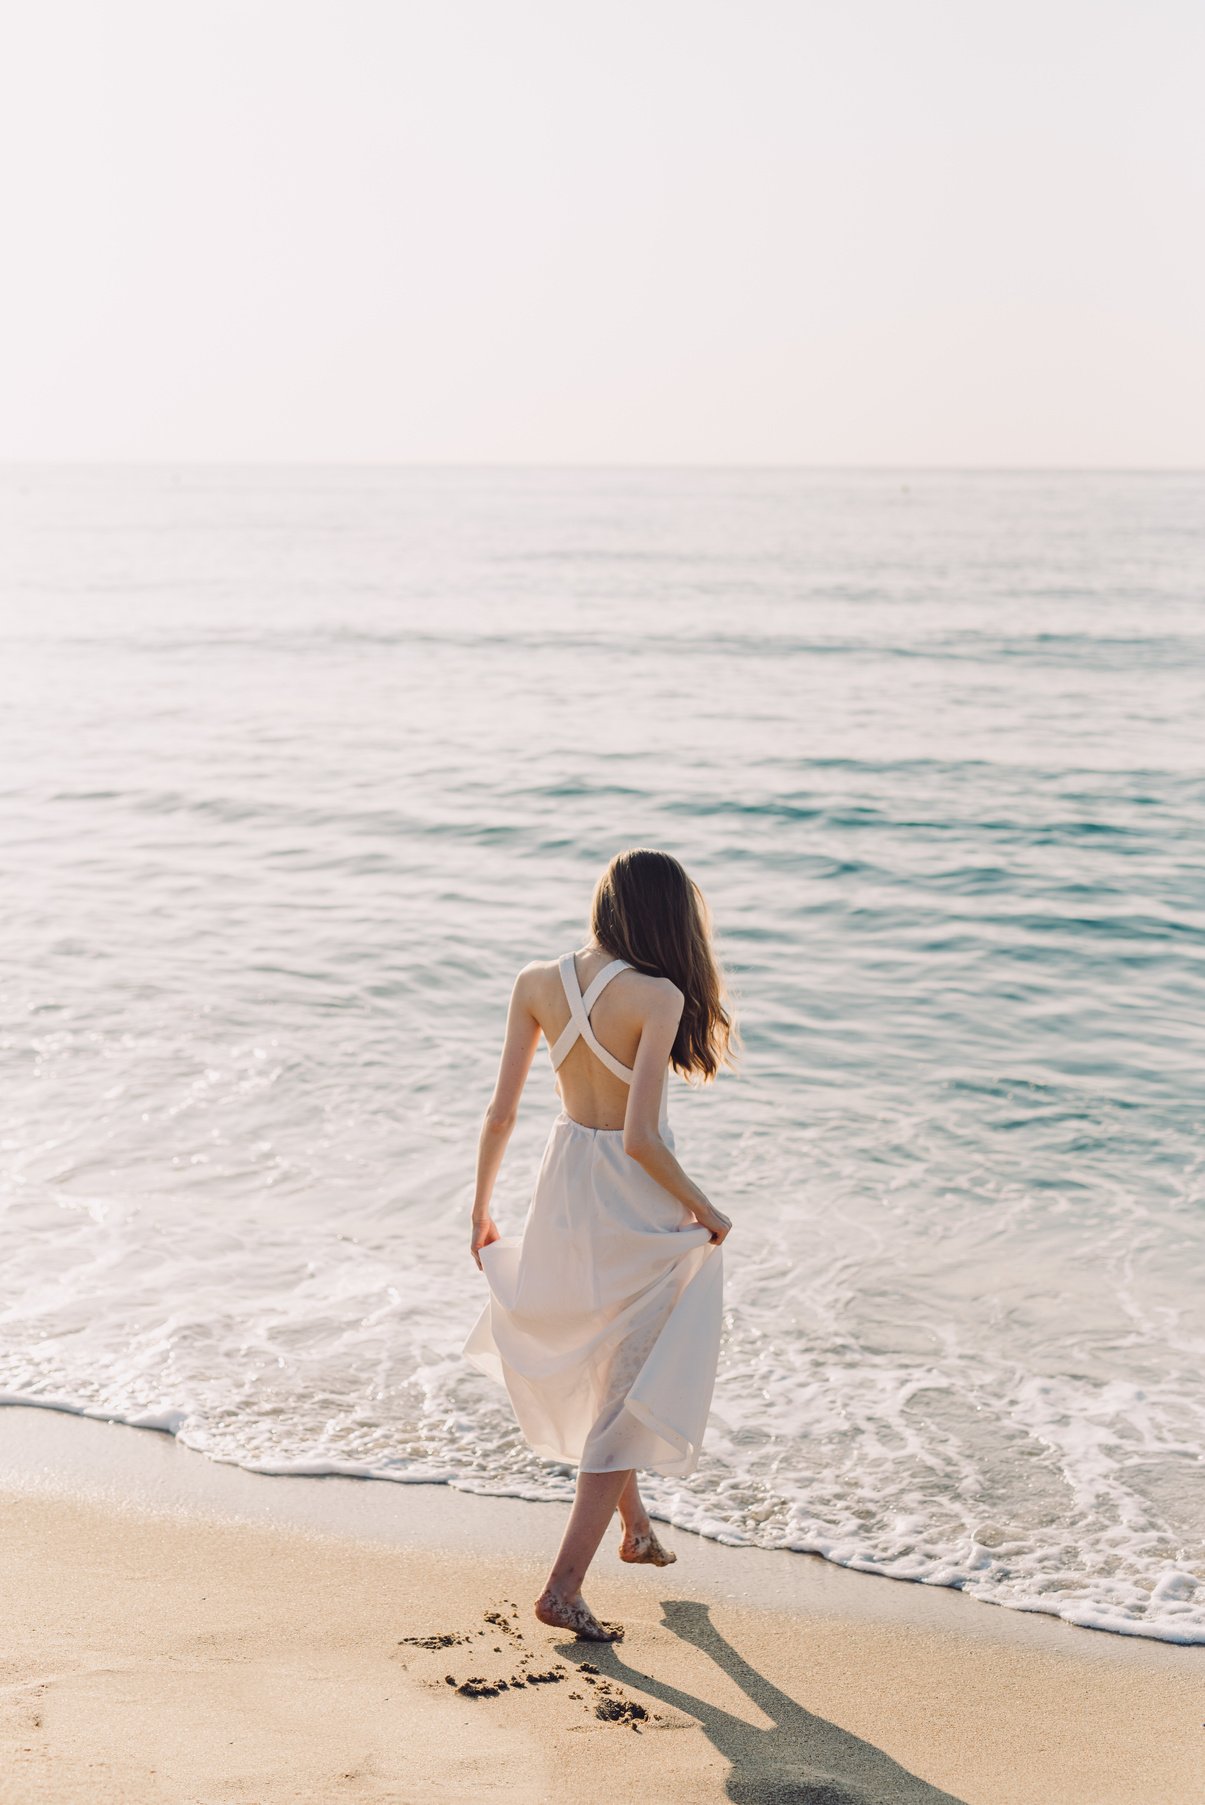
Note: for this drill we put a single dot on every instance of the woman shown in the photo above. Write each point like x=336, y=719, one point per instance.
x=603, y=1320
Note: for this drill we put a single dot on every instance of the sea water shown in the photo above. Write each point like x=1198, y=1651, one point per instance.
x=298, y=768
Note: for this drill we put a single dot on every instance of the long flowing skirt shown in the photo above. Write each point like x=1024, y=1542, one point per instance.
x=604, y=1316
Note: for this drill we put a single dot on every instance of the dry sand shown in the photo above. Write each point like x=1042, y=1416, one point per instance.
x=179, y=1631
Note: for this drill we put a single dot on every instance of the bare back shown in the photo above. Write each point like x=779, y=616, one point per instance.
x=591, y=1093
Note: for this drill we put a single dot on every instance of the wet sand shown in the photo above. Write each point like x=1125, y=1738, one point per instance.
x=181, y=1631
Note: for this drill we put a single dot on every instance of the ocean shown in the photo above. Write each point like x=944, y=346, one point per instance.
x=299, y=766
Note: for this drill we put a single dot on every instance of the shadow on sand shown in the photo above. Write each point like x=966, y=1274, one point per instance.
x=801, y=1760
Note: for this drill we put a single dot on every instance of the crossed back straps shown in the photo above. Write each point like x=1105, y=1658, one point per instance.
x=579, y=1014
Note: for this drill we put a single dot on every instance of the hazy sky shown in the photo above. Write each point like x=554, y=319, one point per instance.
x=800, y=231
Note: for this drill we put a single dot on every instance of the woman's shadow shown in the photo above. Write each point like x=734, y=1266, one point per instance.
x=801, y=1760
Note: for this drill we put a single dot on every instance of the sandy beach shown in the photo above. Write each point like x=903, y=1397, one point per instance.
x=183, y=1631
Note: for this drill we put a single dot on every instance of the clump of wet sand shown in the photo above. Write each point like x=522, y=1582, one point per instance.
x=616, y=1711
x=608, y=1702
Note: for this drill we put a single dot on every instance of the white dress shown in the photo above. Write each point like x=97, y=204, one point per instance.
x=603, y=1319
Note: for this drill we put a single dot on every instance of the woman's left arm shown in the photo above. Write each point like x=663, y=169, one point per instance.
x=518, y=1051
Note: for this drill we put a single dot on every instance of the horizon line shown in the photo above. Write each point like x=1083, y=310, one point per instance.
x=273, y=463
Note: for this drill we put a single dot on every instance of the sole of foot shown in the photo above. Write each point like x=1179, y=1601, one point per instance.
x=646, y=1550
x=558, y=1614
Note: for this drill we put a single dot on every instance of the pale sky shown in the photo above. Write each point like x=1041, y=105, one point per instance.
x=956, y=232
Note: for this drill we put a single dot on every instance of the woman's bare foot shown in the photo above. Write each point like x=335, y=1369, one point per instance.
x=642, y=1545
x=575, y=1614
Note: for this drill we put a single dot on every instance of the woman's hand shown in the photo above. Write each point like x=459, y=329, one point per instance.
x=484, y=1232
x=713, y=1220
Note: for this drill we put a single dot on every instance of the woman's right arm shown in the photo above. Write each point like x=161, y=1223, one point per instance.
x=642, y=1122
x=518, y=1051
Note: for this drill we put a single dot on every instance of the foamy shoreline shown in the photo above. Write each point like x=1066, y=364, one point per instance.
x=1178, y=1622
x=186, y=1629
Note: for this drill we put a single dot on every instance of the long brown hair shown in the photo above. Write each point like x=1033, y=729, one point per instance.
x=647, y=910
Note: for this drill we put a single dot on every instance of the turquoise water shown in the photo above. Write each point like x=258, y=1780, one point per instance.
x=297, y=768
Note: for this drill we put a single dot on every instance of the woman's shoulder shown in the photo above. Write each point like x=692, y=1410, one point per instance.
x=538, y=975
x=646, y=989
x=534, y=975
x=538, y=970
x=657, y=993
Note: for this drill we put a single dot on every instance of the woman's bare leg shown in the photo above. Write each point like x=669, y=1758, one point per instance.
x=631, y=1508
x=639, y=1542
x=561, y=1603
